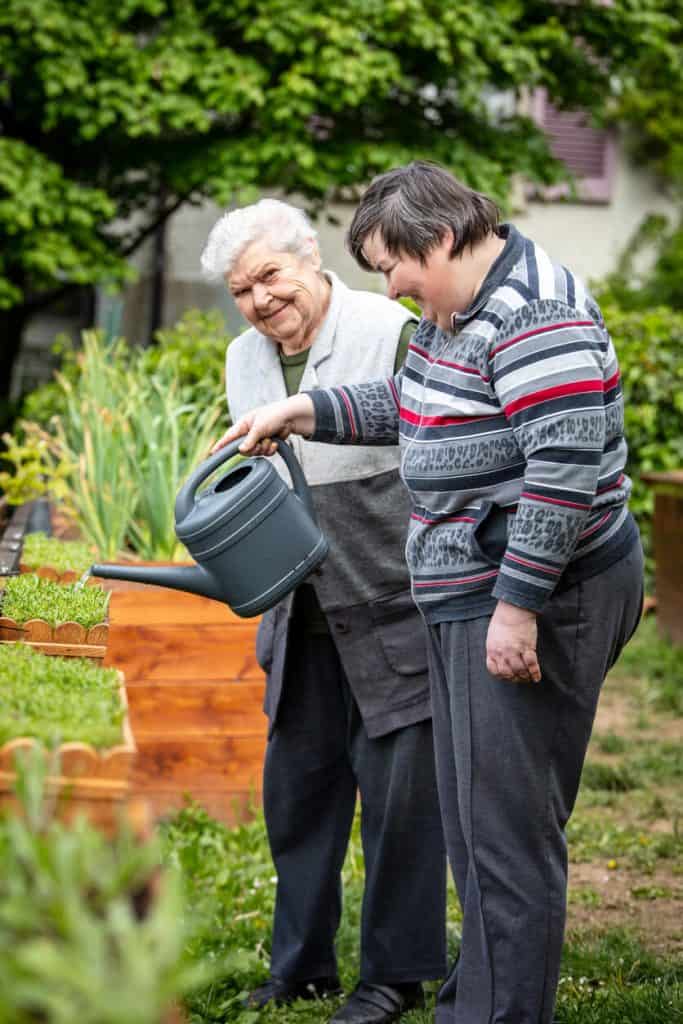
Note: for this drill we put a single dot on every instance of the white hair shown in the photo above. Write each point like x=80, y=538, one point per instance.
x=287, y=228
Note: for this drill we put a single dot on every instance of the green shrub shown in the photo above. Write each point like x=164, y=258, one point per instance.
x=58, y=700
x=86, y=933
x=649, y=345
x=61, y=555
x=196, y=347
x=638, y=283
x=32, y=597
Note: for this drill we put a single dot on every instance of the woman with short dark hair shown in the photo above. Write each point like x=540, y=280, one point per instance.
x=525, y=561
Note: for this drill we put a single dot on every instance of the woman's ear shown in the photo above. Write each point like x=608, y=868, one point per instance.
x=314, y=253
x=448, y=241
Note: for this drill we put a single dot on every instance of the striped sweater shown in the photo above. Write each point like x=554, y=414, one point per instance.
x=511, y=436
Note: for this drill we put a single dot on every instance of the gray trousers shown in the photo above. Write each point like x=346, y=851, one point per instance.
x=509, y=760
x=318, y=757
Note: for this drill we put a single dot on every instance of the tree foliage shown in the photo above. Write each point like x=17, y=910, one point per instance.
x=115, y=108
x=650, y=94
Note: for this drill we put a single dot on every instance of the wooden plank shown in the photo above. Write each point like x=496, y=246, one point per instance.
x=228, y=806
x=202, y=709
x=182, y=652
x=158, y=606
x=229, y=762
x=668, y=544
x=66, y=650
x=103, y=811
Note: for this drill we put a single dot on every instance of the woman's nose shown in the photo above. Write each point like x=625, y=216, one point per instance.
x=260, y=295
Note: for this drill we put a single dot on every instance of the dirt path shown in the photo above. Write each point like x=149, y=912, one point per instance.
x=606, y=894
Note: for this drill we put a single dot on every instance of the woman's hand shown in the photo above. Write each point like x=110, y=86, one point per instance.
x=511, y=644
x=293, y=415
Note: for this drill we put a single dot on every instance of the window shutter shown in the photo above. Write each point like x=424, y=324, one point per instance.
x=588, y=152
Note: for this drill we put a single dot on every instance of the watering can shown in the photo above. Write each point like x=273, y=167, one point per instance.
x=253, y=539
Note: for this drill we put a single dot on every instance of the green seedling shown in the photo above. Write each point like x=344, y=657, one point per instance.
x=61, y=555
x=32, y=597
x=58, y=700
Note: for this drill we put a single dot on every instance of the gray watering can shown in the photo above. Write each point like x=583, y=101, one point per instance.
x=253, y=538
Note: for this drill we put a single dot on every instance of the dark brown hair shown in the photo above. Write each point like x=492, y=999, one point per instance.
x=414, y=206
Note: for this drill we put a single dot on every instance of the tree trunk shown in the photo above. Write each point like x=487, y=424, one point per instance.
x=12, y=323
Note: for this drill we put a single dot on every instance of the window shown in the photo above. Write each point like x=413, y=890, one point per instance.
x=588, y=152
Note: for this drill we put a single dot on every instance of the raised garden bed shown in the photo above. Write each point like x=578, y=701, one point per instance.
x=51, y=558
x=56, y=619
x=76, y=714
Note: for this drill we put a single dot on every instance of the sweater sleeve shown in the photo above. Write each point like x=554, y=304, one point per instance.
x=548, y=372
x=359, y=413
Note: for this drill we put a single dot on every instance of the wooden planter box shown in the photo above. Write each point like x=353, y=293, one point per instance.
x=91, y=782
x=48, y=572
x=69, y=639
x=667, y=531
x=195, y=693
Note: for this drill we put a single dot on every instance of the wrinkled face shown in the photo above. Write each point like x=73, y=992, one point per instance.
x=440, y=285
x=279, y=293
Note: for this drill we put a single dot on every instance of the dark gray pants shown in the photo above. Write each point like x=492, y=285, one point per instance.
x=317, y=758
x=509, y=760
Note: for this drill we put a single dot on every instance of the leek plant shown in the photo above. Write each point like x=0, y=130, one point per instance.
x=125, y=439
x=170, y=438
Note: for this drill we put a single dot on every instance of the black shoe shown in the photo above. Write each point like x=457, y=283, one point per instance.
x=379, y=1004
x=280, y=992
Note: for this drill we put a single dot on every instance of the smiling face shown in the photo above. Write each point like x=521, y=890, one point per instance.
x=441, y=285
x=284, y=296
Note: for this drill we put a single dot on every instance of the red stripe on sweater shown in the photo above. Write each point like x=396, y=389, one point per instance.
x=611, y=487
x=455, y=583
x=596, y=526
x=553, y=501
x=441, y=421
x=445, y=362
x=541, y=330
x=547, y=394
x=437, y=522
x=392, y=388
x=532, y=565
x=349, y=409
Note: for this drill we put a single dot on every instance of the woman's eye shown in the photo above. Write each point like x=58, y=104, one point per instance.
x=269, y=275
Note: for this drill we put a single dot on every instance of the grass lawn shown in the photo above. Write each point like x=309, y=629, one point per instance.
x=623, y=961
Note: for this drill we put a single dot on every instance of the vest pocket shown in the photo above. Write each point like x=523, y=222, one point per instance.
x=400, y=631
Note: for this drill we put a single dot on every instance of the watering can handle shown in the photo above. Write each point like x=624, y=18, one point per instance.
x=186, y=495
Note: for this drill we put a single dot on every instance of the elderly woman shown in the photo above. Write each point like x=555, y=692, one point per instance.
x=347, y=688
x=525, y=560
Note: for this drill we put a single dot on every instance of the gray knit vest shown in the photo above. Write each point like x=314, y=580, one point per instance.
x=361, y=502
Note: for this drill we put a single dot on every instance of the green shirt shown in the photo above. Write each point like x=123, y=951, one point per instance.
x=307, y=607
x=293, y=366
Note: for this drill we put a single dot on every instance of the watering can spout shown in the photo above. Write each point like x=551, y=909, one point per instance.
x=192, y=579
